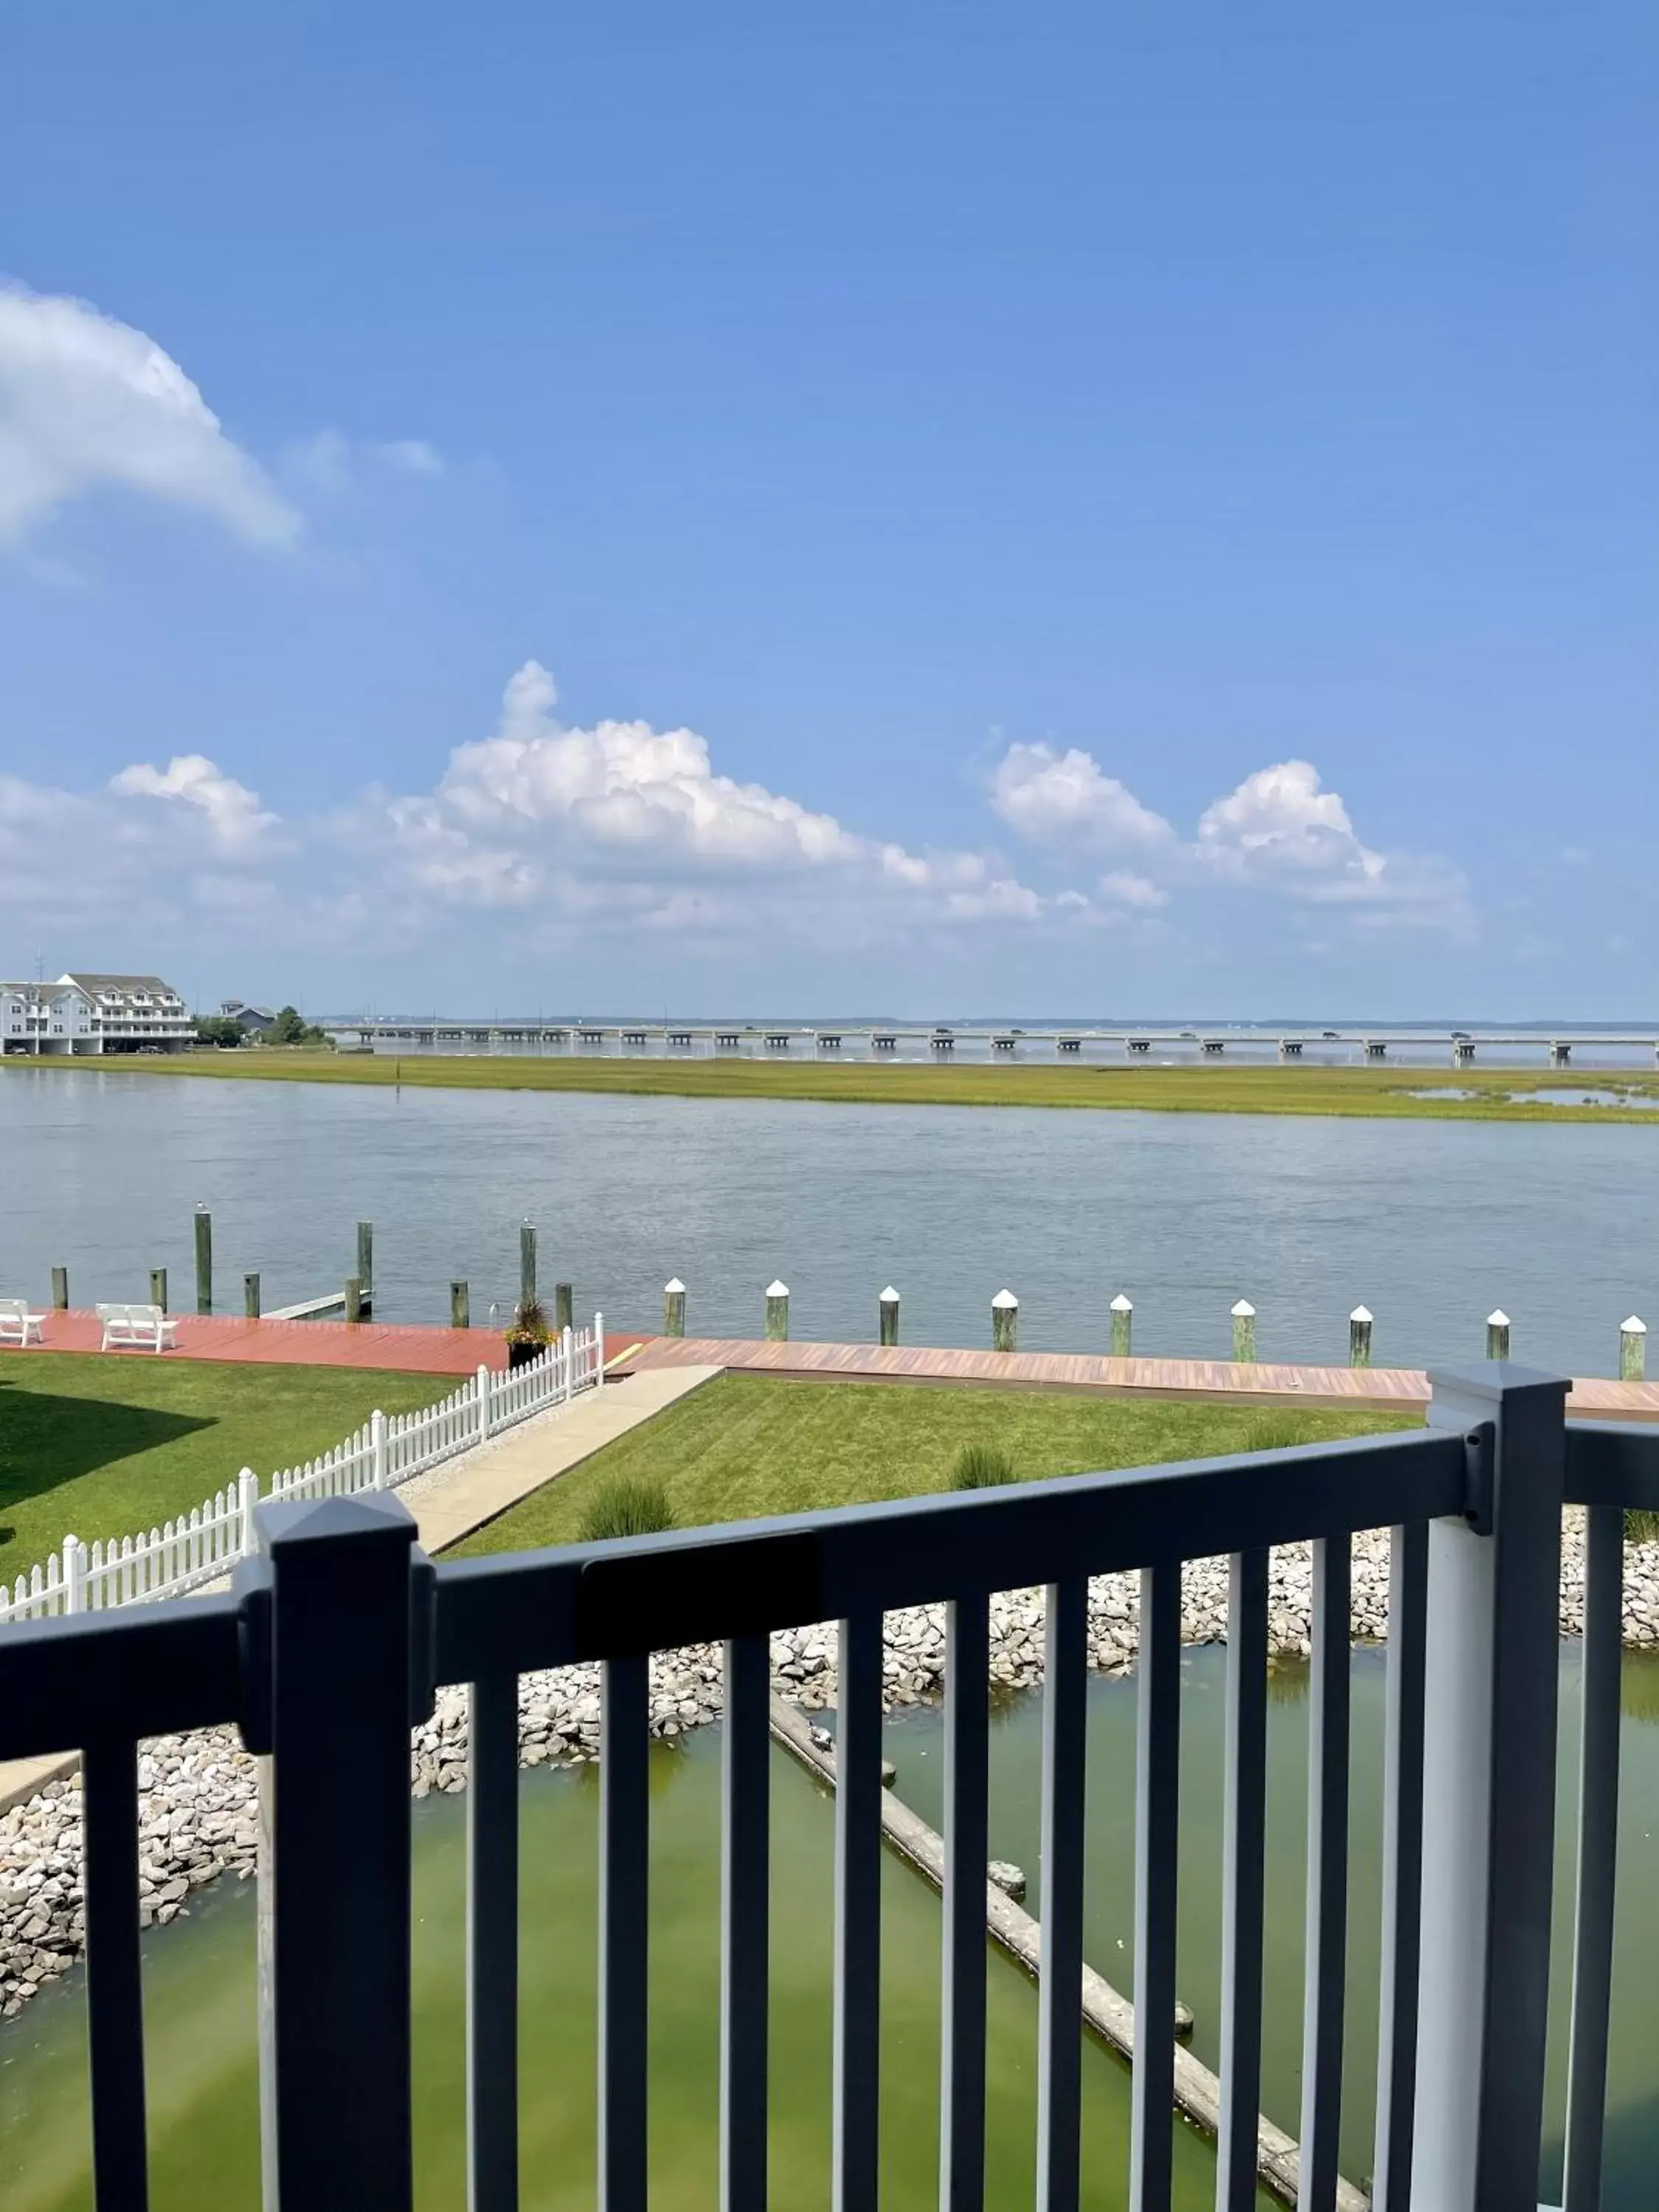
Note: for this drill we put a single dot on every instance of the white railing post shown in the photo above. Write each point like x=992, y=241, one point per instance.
x=598, y=1349
x=377, y=1447
x=567, y=1353
x=484, y=1405
x=1489, y=1795
x=247, y=1505
x=74, y=1556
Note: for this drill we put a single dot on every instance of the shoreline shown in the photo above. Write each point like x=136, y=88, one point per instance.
x=199, y=1813
x=1337, y=1093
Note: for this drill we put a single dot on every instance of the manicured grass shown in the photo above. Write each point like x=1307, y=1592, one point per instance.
x=746, y=1445
x=107, y=1445
x=1371, y=1092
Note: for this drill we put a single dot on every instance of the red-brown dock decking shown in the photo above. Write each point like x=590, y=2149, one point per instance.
x=299, y=1343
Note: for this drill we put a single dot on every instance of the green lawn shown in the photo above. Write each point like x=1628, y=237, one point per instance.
x=1484, y=1094
x=107, y=1445
x=746, y=1445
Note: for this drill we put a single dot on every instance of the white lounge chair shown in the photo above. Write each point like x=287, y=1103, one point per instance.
x=17, y=1324
x=145, y=1329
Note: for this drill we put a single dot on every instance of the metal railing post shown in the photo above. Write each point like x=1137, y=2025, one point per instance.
x=334, y=1586
x=1489, y=1796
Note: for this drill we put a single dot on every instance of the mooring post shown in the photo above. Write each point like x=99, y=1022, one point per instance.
x=366, y=1260
x=1488, y=1793
x=887, y=1313
x=1498, y=1333
x=251, y=1296
x=527, y=1263
x=1633, y=1349
x=1359, y=1337
x=203, y=1260
x=1005, y=1322
x=158, y=1287
x=1244, y=1332
x=564, y=1306
x=673, y=1307
x=1123, y=1322
x=461, y=1304
x=777, y=1312
x=60, y=1289
x=353, y=1298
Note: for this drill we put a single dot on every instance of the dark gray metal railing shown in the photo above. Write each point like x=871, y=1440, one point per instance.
x=335, y=1642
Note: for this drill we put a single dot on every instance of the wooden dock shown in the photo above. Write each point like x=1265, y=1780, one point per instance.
x=1375, y=1389
x=271, y=1342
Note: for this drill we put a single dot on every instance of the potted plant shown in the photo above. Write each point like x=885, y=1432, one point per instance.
x=530, y=1334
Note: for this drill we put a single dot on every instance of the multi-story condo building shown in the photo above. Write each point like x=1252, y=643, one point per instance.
x=86, y=1014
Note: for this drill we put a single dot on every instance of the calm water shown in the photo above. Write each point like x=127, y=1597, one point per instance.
x=199, y=1979
x=1430, y=1223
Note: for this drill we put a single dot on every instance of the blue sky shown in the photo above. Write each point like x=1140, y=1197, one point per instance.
x=972, y=509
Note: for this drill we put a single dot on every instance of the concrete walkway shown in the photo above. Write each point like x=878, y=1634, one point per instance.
x=449, y=1502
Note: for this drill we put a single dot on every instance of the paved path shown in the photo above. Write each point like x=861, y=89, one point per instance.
x=449, y=1502
x=1384, y=1387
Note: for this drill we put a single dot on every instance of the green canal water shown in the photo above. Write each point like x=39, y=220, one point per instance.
x=199, y=1979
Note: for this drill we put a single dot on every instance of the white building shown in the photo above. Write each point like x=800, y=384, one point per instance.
x=83, y=1014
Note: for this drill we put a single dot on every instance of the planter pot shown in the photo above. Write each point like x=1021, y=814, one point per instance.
x=520, y=1355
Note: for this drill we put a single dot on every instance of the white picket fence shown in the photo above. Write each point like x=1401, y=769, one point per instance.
x=205, y=1544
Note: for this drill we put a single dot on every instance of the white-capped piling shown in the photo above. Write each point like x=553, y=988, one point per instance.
x=887, y=1311
x=1498, y=1333
x=1359, y=1337
x=1123, y=1322
x=1005, y=1322
x=777, y=1312
x=1633, y=1349
x=673, y=1307
x=1244, y=1332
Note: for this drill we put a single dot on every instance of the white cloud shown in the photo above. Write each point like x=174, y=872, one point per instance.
x=1121, y=888
x=1060, y=799
x=1280, y=825
x=413, y=455
x=329, y=462
x=87, y=402
x=231, y=812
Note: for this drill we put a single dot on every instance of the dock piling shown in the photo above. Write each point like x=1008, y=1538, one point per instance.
x=1498, y=1333
x=1359, y=1337
x=564, y=1307
x=354, y=1298
x=527, y=1263
x=1633, y=1349
x=1123, y=1322
x=251, y=1296
x=673, y=1307
x=1005, y=1322
x=366, y=1260
x=1244, y=1332
x=777, y=1312
x=887, y=1309
x=461, y=1304
x=158, y=1287
x=203, y=1260
x=60, y=1289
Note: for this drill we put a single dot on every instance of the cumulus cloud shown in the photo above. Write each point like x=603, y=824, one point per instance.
x=1120, y=887
x=87, y=402
x=231, y=812
x=1066, y=799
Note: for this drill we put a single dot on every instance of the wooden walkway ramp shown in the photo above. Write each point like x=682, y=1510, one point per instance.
x=1384, y=1388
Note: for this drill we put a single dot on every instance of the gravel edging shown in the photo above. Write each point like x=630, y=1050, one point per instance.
x=199, y=1793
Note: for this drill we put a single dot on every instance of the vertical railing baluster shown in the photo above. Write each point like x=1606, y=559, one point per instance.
x=1328, y=1872
x=115, y=2021
x=1244, y=1831
x=1402, y=1867
x=745, y=1846
x=492, y=1945
x=1598, y=1851
x=858, y=1915
x=962, y=2002
x=624, y=1893
x=1059, y=1995
x=1158, y=1801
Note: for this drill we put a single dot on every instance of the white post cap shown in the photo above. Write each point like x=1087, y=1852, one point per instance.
x=777, y=1290
x=1244, y=1310
x=1120, y=1305
x=1635, y=1326
x=673, y=1288
x=1362, y=1313
x=1497, y=1318
x=890, y=1297
x=1004, y=1299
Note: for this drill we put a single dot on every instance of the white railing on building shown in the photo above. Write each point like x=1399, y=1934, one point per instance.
x=200, y=1547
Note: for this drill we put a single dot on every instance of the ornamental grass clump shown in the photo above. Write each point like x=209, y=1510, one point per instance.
x=981, y=1466
x=627, y=1505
